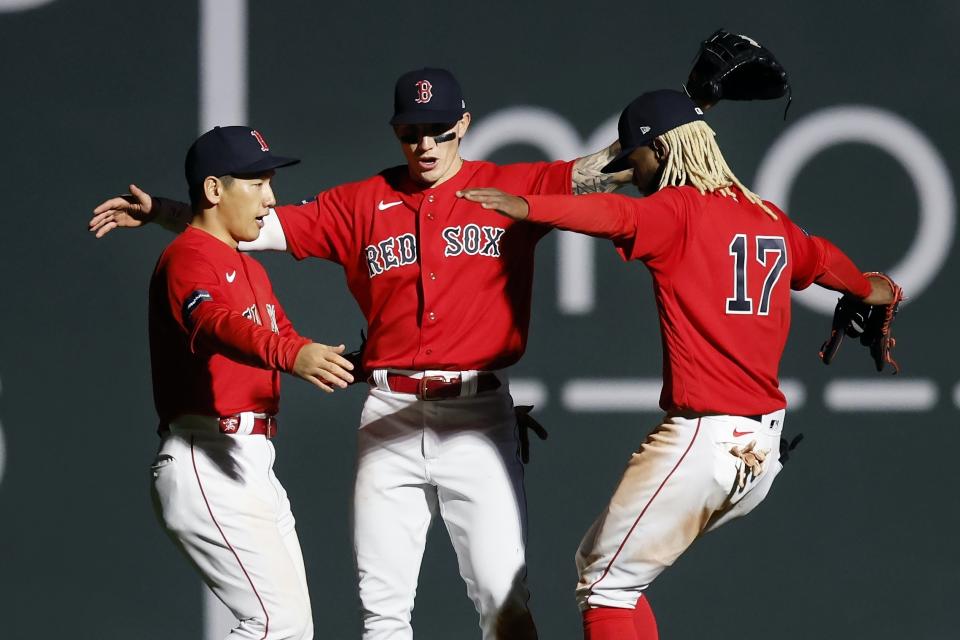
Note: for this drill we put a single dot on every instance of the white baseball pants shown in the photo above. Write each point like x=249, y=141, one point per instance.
x=457, y=458
x=683, y=481
x=219, y=500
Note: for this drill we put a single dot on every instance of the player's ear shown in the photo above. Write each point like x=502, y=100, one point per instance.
x=212, y=189
x=661, y=149
x=463, y=124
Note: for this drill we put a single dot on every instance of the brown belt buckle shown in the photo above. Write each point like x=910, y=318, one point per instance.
x=271, y=427
x=423, y=392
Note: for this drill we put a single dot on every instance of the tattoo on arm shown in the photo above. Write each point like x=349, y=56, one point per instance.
x=587, y=177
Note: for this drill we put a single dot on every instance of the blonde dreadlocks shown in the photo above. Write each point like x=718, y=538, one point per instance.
x=695, y=159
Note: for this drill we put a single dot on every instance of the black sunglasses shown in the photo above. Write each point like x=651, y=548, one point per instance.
x=414, y=133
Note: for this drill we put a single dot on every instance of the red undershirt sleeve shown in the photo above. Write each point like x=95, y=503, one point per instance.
x=218, y=328
x=601, y=215
x=552, y=178
x=321, y=228
x=817, y=260
x=837, y=271
x=644, y=229
x=195, y=295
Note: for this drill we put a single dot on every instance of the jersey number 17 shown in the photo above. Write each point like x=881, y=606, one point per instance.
x=763, y=246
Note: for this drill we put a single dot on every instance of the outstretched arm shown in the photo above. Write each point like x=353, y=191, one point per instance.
x=604, y=216
x=139, y=208
x=216, y=328
x=839, y=273
x=587, y=177
x=136, y=209
x=513, y=207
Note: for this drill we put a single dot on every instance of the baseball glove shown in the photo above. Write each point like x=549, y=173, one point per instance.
x=525, y=424
x=356, y=359
x=735, y=67
x=870, y=323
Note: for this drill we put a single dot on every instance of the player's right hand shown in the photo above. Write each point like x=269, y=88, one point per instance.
x=123, y=211
x=503, y=203
x=323, y=366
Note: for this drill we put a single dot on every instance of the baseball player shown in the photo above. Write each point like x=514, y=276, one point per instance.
x=445, y=287
x=218, y=340
x=723, y=263
x=423, y=300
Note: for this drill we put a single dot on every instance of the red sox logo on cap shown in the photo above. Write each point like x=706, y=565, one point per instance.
x=424, y=92
x=263, y=143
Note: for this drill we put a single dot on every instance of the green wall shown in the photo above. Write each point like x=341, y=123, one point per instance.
x=853, y=542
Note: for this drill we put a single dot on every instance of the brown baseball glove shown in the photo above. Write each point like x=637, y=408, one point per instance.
x=868, y=322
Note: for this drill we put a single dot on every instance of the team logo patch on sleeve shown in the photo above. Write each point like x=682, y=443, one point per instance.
x=193, y=301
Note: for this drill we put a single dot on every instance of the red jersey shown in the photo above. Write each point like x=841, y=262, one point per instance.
x=722, y=272
x=217, y=333
x=443, y=283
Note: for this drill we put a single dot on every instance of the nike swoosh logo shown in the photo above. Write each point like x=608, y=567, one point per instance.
x=231, y=276
x=737, y=434
x=383, y=206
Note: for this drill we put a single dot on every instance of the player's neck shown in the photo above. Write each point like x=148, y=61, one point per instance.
x=206, y=221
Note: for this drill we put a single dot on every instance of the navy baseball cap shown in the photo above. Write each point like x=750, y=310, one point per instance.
x=230, y=151
x=649, y=116
x=425, y=96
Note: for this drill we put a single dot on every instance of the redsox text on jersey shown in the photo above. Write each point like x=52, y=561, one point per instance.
x=445, y=287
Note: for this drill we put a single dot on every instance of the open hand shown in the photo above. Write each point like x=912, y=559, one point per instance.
x=323, y=366
x=504, y=203
x=123, y=211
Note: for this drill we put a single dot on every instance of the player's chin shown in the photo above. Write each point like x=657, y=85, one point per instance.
x=252, y=232
x=430, y=176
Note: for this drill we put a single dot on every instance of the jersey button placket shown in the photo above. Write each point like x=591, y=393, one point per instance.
x=431, y=443
x=428, y=236
x=430, y=440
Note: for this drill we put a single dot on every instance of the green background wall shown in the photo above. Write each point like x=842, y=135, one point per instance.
x=855, y=541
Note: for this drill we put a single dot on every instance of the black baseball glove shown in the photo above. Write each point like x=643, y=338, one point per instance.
x=870, y=323
x=729, y=66
x=525, y=424
x=356, y=359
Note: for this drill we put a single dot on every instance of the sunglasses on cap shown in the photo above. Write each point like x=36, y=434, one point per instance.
x=414, y=133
